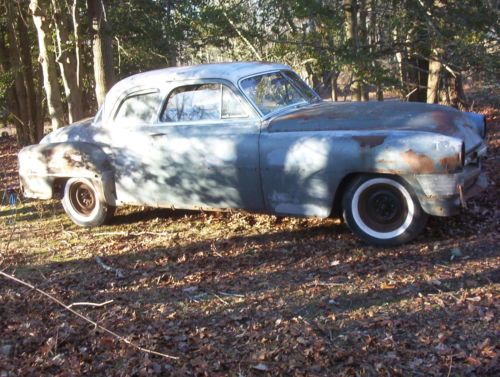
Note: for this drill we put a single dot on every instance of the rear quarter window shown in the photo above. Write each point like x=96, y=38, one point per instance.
x=139, y=108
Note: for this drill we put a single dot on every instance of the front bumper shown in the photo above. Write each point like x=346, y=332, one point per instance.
x=444, y=194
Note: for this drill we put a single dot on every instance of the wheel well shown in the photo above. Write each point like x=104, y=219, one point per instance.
x=339, y=192
x=337, y=201
x=58, y=187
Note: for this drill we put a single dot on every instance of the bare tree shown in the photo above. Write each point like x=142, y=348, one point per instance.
x=433, y=78
x=102, y=48
x=363, y=43
x=67, y=59
x=15, y=58
x=350, y=14
x=47, y=60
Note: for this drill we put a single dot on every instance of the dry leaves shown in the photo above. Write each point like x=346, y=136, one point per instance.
x=250, y=295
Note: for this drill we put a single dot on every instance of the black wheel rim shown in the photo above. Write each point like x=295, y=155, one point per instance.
x=82, y=198
x=383, y=208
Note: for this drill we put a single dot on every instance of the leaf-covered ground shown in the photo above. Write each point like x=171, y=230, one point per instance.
x=238, y=294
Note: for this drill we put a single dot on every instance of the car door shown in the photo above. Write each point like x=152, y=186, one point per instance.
x=129, y=140
x=207, y=141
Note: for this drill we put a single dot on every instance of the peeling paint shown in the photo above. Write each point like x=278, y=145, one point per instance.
x=418, y=162
x=450, y=163
x=289, y=163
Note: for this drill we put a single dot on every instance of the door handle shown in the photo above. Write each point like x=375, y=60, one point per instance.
x=156, y=134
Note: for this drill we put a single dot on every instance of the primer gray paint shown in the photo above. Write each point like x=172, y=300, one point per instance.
x=287, y=163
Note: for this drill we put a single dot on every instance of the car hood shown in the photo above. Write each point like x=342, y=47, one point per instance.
x=382, y=116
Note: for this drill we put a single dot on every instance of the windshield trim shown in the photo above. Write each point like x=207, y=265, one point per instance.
x=274, y=112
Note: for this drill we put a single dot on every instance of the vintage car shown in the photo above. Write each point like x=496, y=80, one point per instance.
x=254, y=136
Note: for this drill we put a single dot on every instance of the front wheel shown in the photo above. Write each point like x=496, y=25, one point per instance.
x=82, y=205
x=382, y=210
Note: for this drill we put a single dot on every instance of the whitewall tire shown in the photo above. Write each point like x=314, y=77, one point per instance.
x=82, y=204
x=382, y=210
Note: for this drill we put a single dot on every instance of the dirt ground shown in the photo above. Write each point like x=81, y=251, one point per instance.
x=238, y=294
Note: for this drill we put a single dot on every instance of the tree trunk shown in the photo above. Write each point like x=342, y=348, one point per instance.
x=19, y=101
x=67, y=62
x=374, y=39
x=401, y=67
x=455, y=91
x=335, y=89
x=433, y=79
x=102, y=49
x=171, y=47
x=312, y=77
x=350, y=14
x=47, y=60
x=76, y=35
x=12, y=103
x=417, y=70
x=33, y=102
x=363, y=46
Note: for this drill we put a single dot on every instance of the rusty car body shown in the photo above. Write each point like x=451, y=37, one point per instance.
x=254, y=136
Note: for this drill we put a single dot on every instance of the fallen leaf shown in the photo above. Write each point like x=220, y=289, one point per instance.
x=261, y=366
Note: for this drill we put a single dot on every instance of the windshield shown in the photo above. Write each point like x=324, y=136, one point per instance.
x=273, y=91
x=303, y=87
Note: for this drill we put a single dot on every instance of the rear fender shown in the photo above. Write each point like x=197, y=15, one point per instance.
x=41, y=165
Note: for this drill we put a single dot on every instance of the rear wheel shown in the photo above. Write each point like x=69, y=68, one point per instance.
x=382, y=210
x=81, y=203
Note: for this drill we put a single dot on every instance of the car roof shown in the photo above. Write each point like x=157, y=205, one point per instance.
x=232, y=72
x=228, y=71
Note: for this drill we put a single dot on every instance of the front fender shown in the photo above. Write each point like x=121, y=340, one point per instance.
x=40, y=165
x=301, y=171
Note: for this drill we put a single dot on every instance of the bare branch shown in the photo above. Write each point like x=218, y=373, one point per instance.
x=87, y=319
x=240, y=34
x=90, y=304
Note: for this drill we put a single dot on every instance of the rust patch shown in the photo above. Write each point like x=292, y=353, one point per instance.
x=299, y=115
x=419, y=163
x=370, y=141
x=450, y=163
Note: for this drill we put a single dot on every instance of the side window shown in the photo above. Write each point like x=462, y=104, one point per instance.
x=139, y=108
x=231, y=106
x=202, y=102
x=193, y=102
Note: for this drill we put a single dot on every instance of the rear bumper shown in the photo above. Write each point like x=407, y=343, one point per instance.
x=444, y=194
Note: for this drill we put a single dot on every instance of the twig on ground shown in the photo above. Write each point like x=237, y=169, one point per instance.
x=111, y=234
x=451, y=363
x=87, y=319
x=323, y=284
x=119, y=273
x=220, y=299
x=231, y=294
x=101, y=304
x=127, y=234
